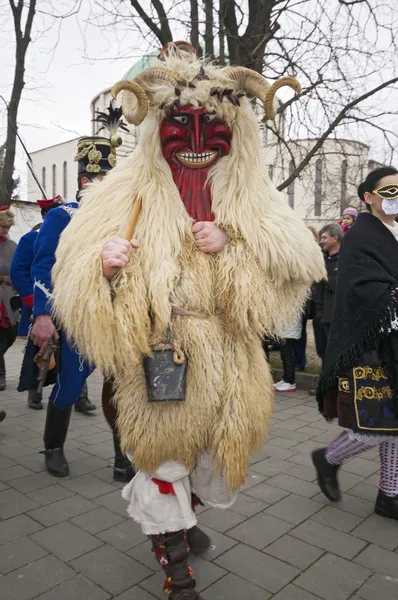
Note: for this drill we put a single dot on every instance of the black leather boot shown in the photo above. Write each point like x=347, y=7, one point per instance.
x=56, y=428
x=387, y=506
x=122, y=469
x=83, y=404
x=2, y=415
x=198, y=540
x=35, y=400
x=171, y=551
x=327, y=475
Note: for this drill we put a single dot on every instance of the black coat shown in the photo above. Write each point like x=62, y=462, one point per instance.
x=331, y=263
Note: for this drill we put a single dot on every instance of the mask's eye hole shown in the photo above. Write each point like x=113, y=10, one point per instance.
x=181, y=119
x=209, y=117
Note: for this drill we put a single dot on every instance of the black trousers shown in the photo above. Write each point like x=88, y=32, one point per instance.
x=288, y=358
x=7, y=338
x=321, y=332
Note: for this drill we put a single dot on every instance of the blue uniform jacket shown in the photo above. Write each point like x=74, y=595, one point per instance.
x=74, y=369
x=21, y=278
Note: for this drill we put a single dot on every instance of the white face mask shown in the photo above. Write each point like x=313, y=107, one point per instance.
x=390, y=207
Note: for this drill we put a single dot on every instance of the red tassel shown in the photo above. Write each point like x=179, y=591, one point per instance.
x=165, y=487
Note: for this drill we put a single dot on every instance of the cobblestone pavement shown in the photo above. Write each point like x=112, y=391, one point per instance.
x=71, y=539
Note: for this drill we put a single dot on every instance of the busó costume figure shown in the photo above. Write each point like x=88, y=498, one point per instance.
x=219, y=260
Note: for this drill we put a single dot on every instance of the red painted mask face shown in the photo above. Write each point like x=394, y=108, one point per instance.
x=193, y=140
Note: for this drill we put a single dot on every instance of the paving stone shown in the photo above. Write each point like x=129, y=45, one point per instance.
x=301, y=459
x=292, y=484
x=34, y=579
x=333, y=578
x=328, y=539
x=271, y=466
x=267, y=493
x=33, y=482
x=302, y=472
x=96, y=438
x=293, y=551
x=260, y=530
x=14, y=503
x=50, y=494
x=15, y=450
x=290, y=434
x=18, y=553
x=3, y=486
x=366, y=492
x=6, y=462
x=113, y=571
x=66, y=541
x=87, y=465
x=97, y=520
x=219, y=543
x=221, y=520
x=206, y=573
x=232, y=587
x=88, y=486
x=281, y=442
x=348, y=503
x=135, y=593
x=379, y=586
x=291, y=592
x=380, y=560
x=348, y=480
x=294, y=509
x=252, y=479
x=278, y=453
x=246, y=506
x=338, y=519
x=17, y=527
x=360, y=466
x=378, y=530
x=61, y=511
x=123, y=536
x=258, y=568
x=13, y=472
x=113, y=502
x=78, y=588
x=34, y=462
x=102, y=450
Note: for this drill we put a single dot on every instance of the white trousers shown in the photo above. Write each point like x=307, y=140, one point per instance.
x=160, y=513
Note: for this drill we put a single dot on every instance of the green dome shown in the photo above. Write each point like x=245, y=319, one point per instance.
x=139, y=66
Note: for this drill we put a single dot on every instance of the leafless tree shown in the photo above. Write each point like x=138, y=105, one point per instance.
x=23, y=14
x=343, y=52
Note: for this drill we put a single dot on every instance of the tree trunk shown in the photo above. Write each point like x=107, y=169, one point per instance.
x=7, y=183
x=209, y=29
x=195, y=26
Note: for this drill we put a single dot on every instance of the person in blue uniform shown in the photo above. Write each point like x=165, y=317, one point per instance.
x=22, y=282
x=95, y=157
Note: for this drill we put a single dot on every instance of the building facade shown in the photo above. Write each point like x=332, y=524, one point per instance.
x=56, y=170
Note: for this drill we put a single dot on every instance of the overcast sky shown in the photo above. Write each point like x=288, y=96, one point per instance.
x=60, y=84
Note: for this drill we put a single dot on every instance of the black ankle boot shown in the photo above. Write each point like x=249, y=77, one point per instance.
x=327, y=475
x=83, y=404
x=2, y=415
x=122, y=469
x=171, y=551
x=198, y=540
x=2, y=381
x=387, y=506
x=56, y=428
x=34, y=400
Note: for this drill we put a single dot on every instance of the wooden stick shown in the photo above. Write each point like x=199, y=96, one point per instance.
x=135, y=214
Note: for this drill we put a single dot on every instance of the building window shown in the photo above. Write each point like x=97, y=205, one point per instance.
x=290, y=189
x=65, y=175
x=54, y=181
x=343, y=193
x=318, y=187
x=43, y=177
x=271, y=172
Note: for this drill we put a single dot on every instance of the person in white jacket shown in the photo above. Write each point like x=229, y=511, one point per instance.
x=288, y=346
